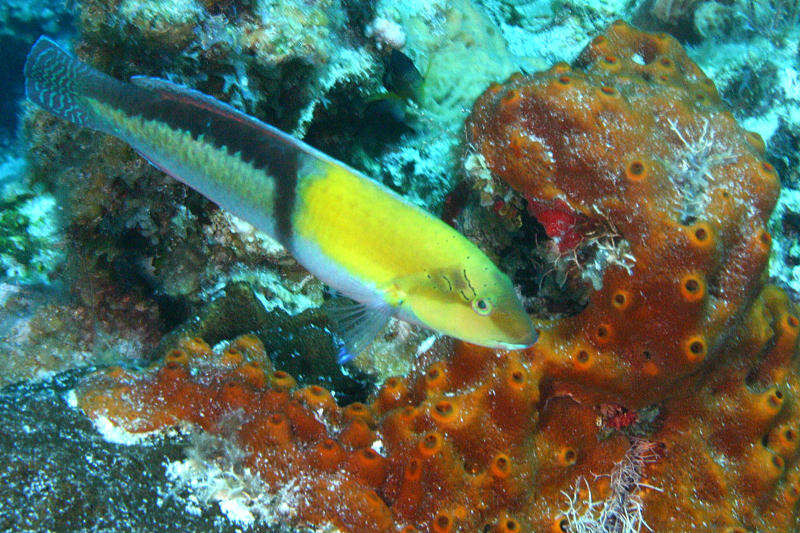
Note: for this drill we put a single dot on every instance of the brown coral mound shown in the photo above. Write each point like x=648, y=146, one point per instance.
x=285, y=431
x=672, y=398
x=635, y=138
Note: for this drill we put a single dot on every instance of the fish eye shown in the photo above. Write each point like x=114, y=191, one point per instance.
x=482, y=306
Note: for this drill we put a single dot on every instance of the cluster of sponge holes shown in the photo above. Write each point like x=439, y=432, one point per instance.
x=768, y=460
x=443, y=413
x=782, y=440
x=436, y=377
x=621, y=300
x=604, y=334
x=282, y=381
x=560, y=525
x=566, y=456
x=583, y=360
x=435, y=431
x=695, y=349
x=505, y=525
x=609, y=63
x=444, y=523
x=665, y=67
x=650, y=50
x=700, y=235
x=500, y=467
x=692, y=287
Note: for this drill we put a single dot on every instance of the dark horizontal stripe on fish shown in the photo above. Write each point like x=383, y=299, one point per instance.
x=223, y=130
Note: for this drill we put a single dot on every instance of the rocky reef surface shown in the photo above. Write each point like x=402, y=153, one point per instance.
x=640, y=188
x=59, y=473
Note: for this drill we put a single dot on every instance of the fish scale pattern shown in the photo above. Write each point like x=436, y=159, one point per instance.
x=670, y=400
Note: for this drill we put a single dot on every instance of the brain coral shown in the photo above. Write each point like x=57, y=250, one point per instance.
x=671, y=399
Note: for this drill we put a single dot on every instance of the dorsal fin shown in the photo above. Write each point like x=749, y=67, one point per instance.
x=201, y=101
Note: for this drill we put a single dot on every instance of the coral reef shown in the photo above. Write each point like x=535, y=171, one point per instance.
x=670, y=400
x=30, y=247
x=131, y=228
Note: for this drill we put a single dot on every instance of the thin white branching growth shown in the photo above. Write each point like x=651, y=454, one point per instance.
x=622, y=511
x=691, y=169
x=610, y=248
x=600, y=247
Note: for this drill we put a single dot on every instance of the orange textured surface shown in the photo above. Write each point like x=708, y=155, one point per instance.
x=476, y=440
x=637, y=135
x=484, y=439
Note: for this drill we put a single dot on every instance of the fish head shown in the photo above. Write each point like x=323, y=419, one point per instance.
x=474, y=302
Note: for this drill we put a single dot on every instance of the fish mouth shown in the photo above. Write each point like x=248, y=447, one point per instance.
x=524, y=343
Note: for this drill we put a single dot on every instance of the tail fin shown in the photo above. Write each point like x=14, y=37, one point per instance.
x=56, y=81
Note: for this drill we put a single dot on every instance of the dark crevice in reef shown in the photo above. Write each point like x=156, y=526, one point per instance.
x=301, y=345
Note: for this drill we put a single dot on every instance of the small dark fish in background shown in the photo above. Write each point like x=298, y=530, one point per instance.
x=401, y=76
x=385, y=114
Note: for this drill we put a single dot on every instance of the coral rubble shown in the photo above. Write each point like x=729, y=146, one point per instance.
x=670, y=400
x=59, y=474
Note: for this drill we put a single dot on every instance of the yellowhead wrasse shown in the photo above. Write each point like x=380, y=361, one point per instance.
x=365, y=241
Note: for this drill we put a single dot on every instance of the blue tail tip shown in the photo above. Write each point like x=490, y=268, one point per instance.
x=344, y=356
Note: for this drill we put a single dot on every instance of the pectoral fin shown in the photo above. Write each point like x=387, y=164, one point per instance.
x=357, y=324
